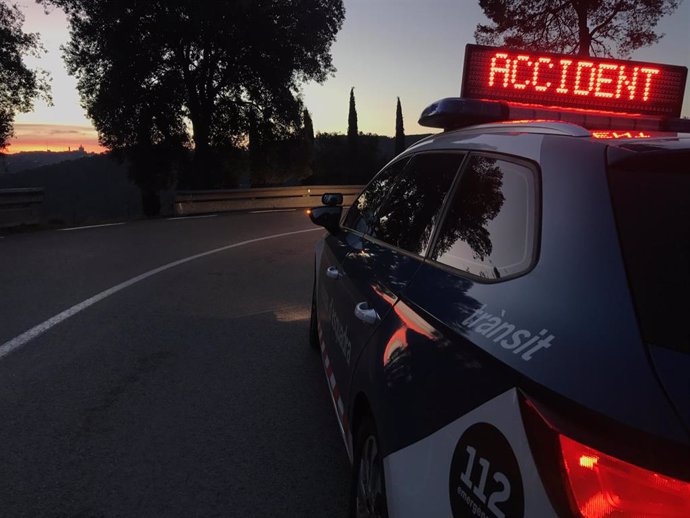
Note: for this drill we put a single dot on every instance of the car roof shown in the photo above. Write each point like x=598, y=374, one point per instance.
x=631, y=140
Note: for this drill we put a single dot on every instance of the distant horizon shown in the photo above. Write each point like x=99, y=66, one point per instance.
x=91, y=148
x=55, y=151
x=53, y=137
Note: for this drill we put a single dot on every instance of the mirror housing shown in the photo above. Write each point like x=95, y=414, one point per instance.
x=327, y=217
x=332, y=199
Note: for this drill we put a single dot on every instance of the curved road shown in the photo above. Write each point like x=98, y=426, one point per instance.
x=190, y=392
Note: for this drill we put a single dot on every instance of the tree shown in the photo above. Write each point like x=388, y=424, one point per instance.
x=399, y=130
x=275, y=160
x=352, y=130
x=19, y=85
x=332, y=163
x=307, y=127
x=148, y=71
x=566, y=26
x=308, y=142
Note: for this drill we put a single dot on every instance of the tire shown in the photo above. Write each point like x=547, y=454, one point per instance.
x=313, y=323
x=368, y=488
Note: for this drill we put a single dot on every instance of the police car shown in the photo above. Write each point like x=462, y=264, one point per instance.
x=503, y=313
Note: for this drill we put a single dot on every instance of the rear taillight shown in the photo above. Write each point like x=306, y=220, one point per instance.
x=606, y=487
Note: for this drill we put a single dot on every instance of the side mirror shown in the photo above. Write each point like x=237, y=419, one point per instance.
x=332, y=199
x=327, y=217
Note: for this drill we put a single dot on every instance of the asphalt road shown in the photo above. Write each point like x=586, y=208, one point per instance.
x=192, y=392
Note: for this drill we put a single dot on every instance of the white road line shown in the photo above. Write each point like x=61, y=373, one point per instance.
x=41, y=328
x=271, y=210
x=91, y=226
x=192, y=217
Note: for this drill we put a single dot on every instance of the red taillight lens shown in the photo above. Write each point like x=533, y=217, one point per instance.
x=605, y=487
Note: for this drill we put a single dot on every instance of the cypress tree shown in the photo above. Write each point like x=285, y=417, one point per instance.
x=307, y=127
x=308, y=142
x=352, y=131
x=399, y=130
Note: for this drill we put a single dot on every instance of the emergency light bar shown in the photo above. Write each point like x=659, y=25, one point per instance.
x=559, y=80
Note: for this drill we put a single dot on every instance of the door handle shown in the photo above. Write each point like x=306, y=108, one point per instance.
x=333, y=273
x=366, y=314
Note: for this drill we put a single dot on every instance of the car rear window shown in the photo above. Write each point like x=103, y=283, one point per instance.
x=651, y=199
x=490, y=229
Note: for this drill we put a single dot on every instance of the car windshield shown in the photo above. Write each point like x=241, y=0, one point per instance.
x=655, y=242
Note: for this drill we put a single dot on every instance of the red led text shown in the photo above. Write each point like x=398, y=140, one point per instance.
x=620, y=134
x=570, y=76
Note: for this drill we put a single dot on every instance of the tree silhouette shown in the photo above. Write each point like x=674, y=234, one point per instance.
x=399, y=130
x=308, y=142
x=352, y=130
x=478, y=201
x=19, y=85
x=148, y=71
x=585, y=26
x=150, y=167
x=276, y=159
x=307, y=127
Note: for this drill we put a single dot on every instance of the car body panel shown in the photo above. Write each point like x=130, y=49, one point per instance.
x=422, y=479
x=369, y=273
x=673, y=368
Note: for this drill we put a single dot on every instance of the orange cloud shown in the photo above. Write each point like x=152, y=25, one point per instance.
x=53, y=137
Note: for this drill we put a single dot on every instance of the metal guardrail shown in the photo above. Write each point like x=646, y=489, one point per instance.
x=20, y=207
x=204, y=202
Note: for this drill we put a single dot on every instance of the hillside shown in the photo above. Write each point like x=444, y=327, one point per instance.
x=90, y=189
x=23, y=161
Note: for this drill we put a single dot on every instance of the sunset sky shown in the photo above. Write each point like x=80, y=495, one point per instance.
x=413, y=49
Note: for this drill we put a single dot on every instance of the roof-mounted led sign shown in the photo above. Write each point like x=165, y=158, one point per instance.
x=558, y=80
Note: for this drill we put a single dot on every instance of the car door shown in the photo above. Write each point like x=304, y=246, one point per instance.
x=380, y=263
x=334, y=298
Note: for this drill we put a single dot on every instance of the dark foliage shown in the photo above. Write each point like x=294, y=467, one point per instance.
x=333, y=163
x=152, y=167
x=277, y=160
x=148, y=71
x=19, y=85
x=588, y=27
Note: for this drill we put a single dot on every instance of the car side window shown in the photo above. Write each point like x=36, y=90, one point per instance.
x=490, y=227
x=407, y=217
x=362, y=213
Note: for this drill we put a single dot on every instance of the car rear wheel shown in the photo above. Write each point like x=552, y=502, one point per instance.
x=313, y=323
x=368, y=493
